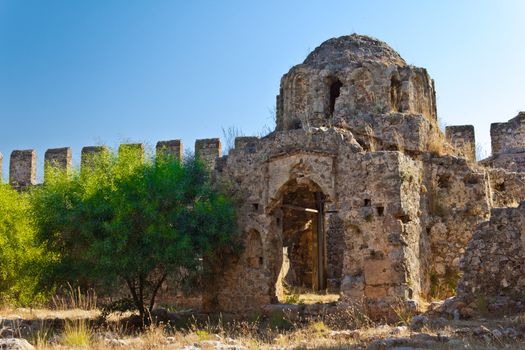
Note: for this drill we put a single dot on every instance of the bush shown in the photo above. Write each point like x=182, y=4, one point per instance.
x=20, y=258
x=132, y=221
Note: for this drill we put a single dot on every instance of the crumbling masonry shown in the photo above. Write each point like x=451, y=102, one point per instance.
x=358, y=192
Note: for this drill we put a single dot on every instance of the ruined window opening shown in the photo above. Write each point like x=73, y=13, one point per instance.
x=296, y=124
x=368, y=202
x=380, y=211
x=335, y=92
x=395, y=94
x=255, y=207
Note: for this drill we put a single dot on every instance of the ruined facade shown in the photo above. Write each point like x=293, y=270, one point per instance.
x=357, y=191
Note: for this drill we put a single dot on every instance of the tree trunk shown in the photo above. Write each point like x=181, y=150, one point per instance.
x=155, y=291
x=139, y=302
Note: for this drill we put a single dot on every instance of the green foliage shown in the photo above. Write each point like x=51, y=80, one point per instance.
x=133, y=220
x=20, y=258
x=118, y=306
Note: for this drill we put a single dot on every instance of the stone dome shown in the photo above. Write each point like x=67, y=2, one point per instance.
x=352, y=49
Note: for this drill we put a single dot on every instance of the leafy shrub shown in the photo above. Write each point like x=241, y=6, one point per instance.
x=20, y=258
x=132, y=221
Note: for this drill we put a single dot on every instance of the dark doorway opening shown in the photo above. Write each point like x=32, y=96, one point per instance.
x=303, y=239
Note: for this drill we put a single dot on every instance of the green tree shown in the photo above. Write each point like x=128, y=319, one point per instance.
x=20, y=257
x=135, y=221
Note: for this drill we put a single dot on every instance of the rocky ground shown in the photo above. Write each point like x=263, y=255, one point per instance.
x=354, y=332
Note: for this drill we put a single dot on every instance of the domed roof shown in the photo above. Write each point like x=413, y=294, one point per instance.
x=351, y=49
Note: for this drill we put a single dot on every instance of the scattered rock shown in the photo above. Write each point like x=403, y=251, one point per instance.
x=15, y=344
x=418, y=322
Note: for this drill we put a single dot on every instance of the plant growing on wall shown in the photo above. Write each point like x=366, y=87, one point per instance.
x=133, y=221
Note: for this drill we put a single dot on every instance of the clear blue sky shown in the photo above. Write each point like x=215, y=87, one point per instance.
x=76, y=73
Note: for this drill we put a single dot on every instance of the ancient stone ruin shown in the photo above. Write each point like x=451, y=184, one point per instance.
x=358, y=192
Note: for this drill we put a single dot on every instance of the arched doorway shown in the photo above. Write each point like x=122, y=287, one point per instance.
x=303, y=237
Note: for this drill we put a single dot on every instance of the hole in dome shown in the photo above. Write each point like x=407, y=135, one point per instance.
x=395, y=94
x=335, y=92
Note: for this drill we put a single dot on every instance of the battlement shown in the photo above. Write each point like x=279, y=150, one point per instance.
x=508, y=137
x=463, y=138
x=23, y=163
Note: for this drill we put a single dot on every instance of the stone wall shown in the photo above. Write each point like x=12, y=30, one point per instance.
x=456, y=197
x=508, y=145
x=208, y=150
x=463, y=139
x=22, y=169
x=507, y=188
x=493, y=265
x=371, y=216
x=508, y=136
x=171, y=148
x=57, y=158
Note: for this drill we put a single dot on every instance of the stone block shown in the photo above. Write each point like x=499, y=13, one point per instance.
x=88, y=155
x=208, y=150
x=137, y=149
x=172, y=148
x=381, y=271
x=463, y=139
x=22, y=169
x=58, y=158
x=247, y=143
x=508, y=136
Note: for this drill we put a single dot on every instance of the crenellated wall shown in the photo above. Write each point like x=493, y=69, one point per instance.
x=508, y=145
x=22, y=168
x=23, y=164
x=509, y=136
x=463, y=138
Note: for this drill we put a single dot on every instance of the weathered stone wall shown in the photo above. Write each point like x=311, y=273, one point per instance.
x=493, y=265
x=208, y=150
x=89, y=154
x=462, y=137
x=456, y=198
x=57, y=158
x=263, y=172
x=379, y=205
x=348, y=78
x=22, y=169
x=371, y=220
x=508, y=145
x=508, y=136
x=507, y=188
x=513, y=160
x=171, y=148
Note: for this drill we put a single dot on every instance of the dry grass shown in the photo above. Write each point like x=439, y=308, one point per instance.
x=43, y=313
x=314, y=298
x=351, y=328
x=314, y=335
